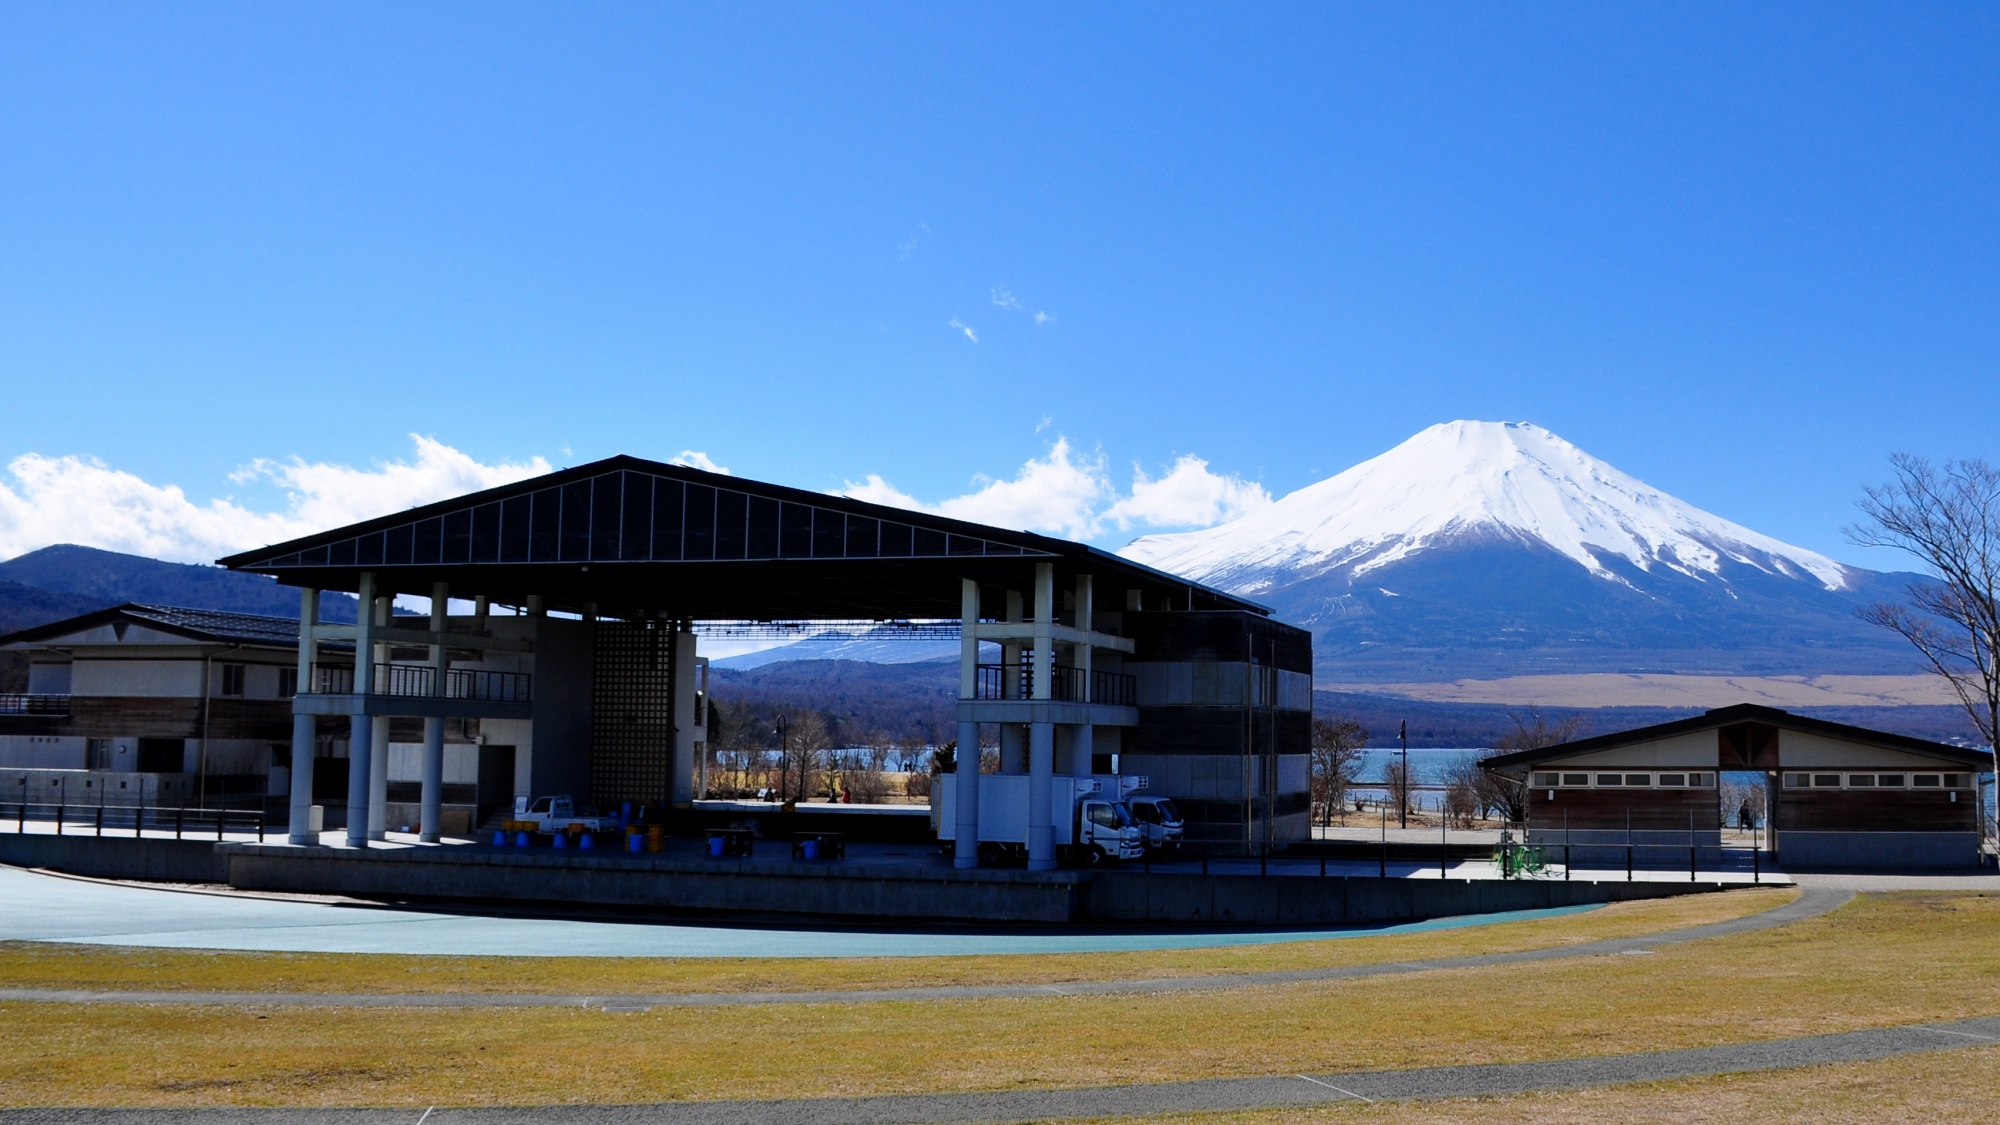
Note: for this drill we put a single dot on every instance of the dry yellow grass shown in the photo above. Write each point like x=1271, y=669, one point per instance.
x=1885, y=960
x=1947, y=1086
x=29, y=965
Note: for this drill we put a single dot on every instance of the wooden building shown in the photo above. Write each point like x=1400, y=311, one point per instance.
x=1838, y=795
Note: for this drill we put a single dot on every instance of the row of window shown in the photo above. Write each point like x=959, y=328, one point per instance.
x=1878, y=781
x=233, y=676
x=1625, y=781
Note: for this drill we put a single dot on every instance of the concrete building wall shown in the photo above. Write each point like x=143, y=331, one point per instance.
x=1695, y=751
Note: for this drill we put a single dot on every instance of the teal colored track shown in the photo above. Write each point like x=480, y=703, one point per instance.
x=50, y=908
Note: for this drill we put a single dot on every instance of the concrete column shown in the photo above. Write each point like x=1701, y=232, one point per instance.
x=378, y=781
x=378, y=746
x=1013, y=748
x=1041, y=772
x=302, y=725
x=965, y=833
x=1045, y=616
x=360, y=739
x=1042, y=736
x=1086, y=610
x=432, y=797
x=361, y=728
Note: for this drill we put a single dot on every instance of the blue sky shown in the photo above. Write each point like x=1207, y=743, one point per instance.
x=1740, y=251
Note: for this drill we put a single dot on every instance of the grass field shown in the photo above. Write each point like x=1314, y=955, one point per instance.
x=1948, y=1086
x=24, y=965
x=1884, y=960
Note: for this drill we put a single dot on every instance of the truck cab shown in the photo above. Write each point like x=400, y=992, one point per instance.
x=1105, y=829
x=1157, y=817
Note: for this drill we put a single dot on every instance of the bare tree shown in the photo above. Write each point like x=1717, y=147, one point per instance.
x=1948, y=517
x=1463, y=796
x=1535, y=733
x=1336, y=760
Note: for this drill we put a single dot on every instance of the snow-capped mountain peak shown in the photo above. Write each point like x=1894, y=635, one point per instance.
x=1465, y=480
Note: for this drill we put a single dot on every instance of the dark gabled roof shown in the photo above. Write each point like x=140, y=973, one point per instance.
x=629, y=535
x=1730, y=716
x=205, y=626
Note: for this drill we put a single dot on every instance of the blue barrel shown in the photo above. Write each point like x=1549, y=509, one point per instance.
x=625, y=815
x=716, y=844
x=587, y=842
x=499, y=837
x=811, y=849
x=560, y=840
x=635, y=843
x=523, y=840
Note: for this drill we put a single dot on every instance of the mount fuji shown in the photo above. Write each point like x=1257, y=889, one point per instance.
x=1482, y=549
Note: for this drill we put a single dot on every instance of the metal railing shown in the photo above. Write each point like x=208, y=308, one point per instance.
x=418, y=681
x=137, y=820
x=34, y=705
x=1017, y=681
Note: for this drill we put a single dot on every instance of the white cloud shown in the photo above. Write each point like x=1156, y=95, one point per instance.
x=1004, y=297
x=1043, y=318
x=1190, y=495
x=961, y=326
x=1071, y=494
x=696, y=459
x=83, y=500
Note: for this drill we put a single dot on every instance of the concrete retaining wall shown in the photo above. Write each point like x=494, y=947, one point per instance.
x=1856, y=850
x=851, y=890
x=1294, y=900
x=110, y=857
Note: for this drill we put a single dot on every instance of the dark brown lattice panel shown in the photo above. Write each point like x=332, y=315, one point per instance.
x=632, y=726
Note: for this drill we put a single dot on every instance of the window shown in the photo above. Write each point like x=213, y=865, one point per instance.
x=1955, y=781
x=1926, y=781
x=232, y=679
x=1861, y=781
x=1702, y=780
x=1673, y=780
x=1826, y=781
x=1610, y=779
x=1797, y=781
x=1576, y=779
x=288, y=682
x=1544, y=780
x=1890, y=780
x=1639, y=779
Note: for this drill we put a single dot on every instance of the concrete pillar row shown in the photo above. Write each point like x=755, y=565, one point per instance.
x=361, y=728
x=303, y=732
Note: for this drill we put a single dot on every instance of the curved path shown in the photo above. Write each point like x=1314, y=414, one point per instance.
x=1809, y=904
x=1212, y=1095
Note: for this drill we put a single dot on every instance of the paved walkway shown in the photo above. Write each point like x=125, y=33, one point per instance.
x=1210, y=1095
x=1808, y=905
x=45, y=907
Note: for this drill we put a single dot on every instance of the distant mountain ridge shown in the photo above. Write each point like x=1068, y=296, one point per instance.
x=66, y=580
x=1480, y=549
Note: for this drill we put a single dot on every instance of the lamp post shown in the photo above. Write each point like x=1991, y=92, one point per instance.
x=1403, y=790
x=783, y=759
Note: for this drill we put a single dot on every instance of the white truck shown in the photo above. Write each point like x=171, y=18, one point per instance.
x=1160, y=823
x=550, y=815
x=1091, y=824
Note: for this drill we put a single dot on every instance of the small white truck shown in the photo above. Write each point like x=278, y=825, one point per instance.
x=1090, y=823
x=1160, y=823
x=550, y=815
